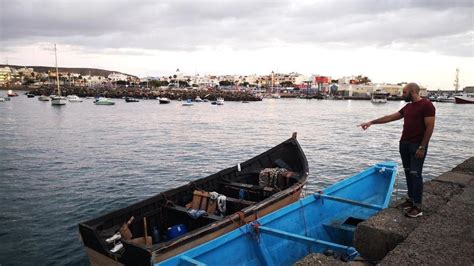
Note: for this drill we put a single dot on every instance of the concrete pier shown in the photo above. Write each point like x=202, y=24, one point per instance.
x=444, y=235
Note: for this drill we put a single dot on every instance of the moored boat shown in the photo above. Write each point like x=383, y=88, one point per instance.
x=74, y=99
x=244, y=192
x=44, y=98
x=57, y=99
x=103, y=101
x=464, y=99
x=188, y=102
x=379, y=96
x=11, y=93
x=131, y=100
x=320, y=223
x=164, y=100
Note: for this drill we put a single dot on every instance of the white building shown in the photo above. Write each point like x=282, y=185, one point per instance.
x=5, y=75
x=117, y=77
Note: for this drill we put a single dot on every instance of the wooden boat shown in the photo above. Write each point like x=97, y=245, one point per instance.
x=167, y=214
x=320, y=223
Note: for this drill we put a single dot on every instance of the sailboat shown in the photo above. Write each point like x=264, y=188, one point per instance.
x=57, y=99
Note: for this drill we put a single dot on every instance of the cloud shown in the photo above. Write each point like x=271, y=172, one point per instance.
x=443, y=27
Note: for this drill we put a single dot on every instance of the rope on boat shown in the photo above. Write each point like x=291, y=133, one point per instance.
x=304, y=223
x=255, y=232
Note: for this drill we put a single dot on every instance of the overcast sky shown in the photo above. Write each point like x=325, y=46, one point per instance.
x=388, y=41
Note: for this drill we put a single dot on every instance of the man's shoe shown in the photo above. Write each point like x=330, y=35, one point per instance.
x=405, y=205
x=414, y=212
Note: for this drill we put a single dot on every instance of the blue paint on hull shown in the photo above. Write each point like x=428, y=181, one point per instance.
x=315, y=224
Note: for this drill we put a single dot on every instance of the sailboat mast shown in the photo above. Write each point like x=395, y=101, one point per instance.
x=456, y=81
x=57, y=72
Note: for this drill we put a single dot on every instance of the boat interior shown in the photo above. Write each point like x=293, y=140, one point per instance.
x=240, y=192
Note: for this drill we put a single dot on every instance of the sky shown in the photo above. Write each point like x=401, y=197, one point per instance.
x=388, y=41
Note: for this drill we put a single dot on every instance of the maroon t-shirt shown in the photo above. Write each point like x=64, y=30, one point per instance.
x=414, y=120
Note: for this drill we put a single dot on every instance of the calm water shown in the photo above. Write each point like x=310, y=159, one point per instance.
x=63, y=165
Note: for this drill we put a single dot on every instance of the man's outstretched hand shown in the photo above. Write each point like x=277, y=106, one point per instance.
x=365, y=125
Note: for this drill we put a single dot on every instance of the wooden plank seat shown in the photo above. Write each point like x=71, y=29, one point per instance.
x=248, y=187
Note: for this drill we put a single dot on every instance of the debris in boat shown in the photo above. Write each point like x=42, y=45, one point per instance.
x=125, y=231
x=274, y=177
x=116, y=248
x=175, y=231
x=145, y=240
x=193, y=213
x=221, y=201
x=114, y=238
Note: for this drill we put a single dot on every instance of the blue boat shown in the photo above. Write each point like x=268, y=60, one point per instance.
x=323, y=222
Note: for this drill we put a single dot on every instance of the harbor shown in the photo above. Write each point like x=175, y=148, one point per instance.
x=65, y=165
x=235, y=132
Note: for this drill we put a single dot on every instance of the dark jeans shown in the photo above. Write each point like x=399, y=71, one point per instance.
x=413, y=169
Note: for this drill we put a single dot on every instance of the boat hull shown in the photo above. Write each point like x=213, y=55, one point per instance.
x=44, y=98
x=318, y=223
x=58, y=100
x=169, y=208
x=379, y=100
x=464, y=100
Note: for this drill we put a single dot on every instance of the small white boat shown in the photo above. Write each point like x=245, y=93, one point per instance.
x=164, y=100
x=188, y=102
x=11, y=93
x=198, y=99
x=44, y=98
x=220, y=101
x=379, y=96
x=74, y=99
x=58, y=100
x=2, y=99
x=103, y=101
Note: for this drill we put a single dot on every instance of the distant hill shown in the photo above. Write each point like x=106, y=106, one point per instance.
x=80, y=70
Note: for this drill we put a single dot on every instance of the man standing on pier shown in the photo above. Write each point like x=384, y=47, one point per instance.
x=418, y=124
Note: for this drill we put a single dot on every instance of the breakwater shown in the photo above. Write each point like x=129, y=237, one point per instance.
x=147, y=93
